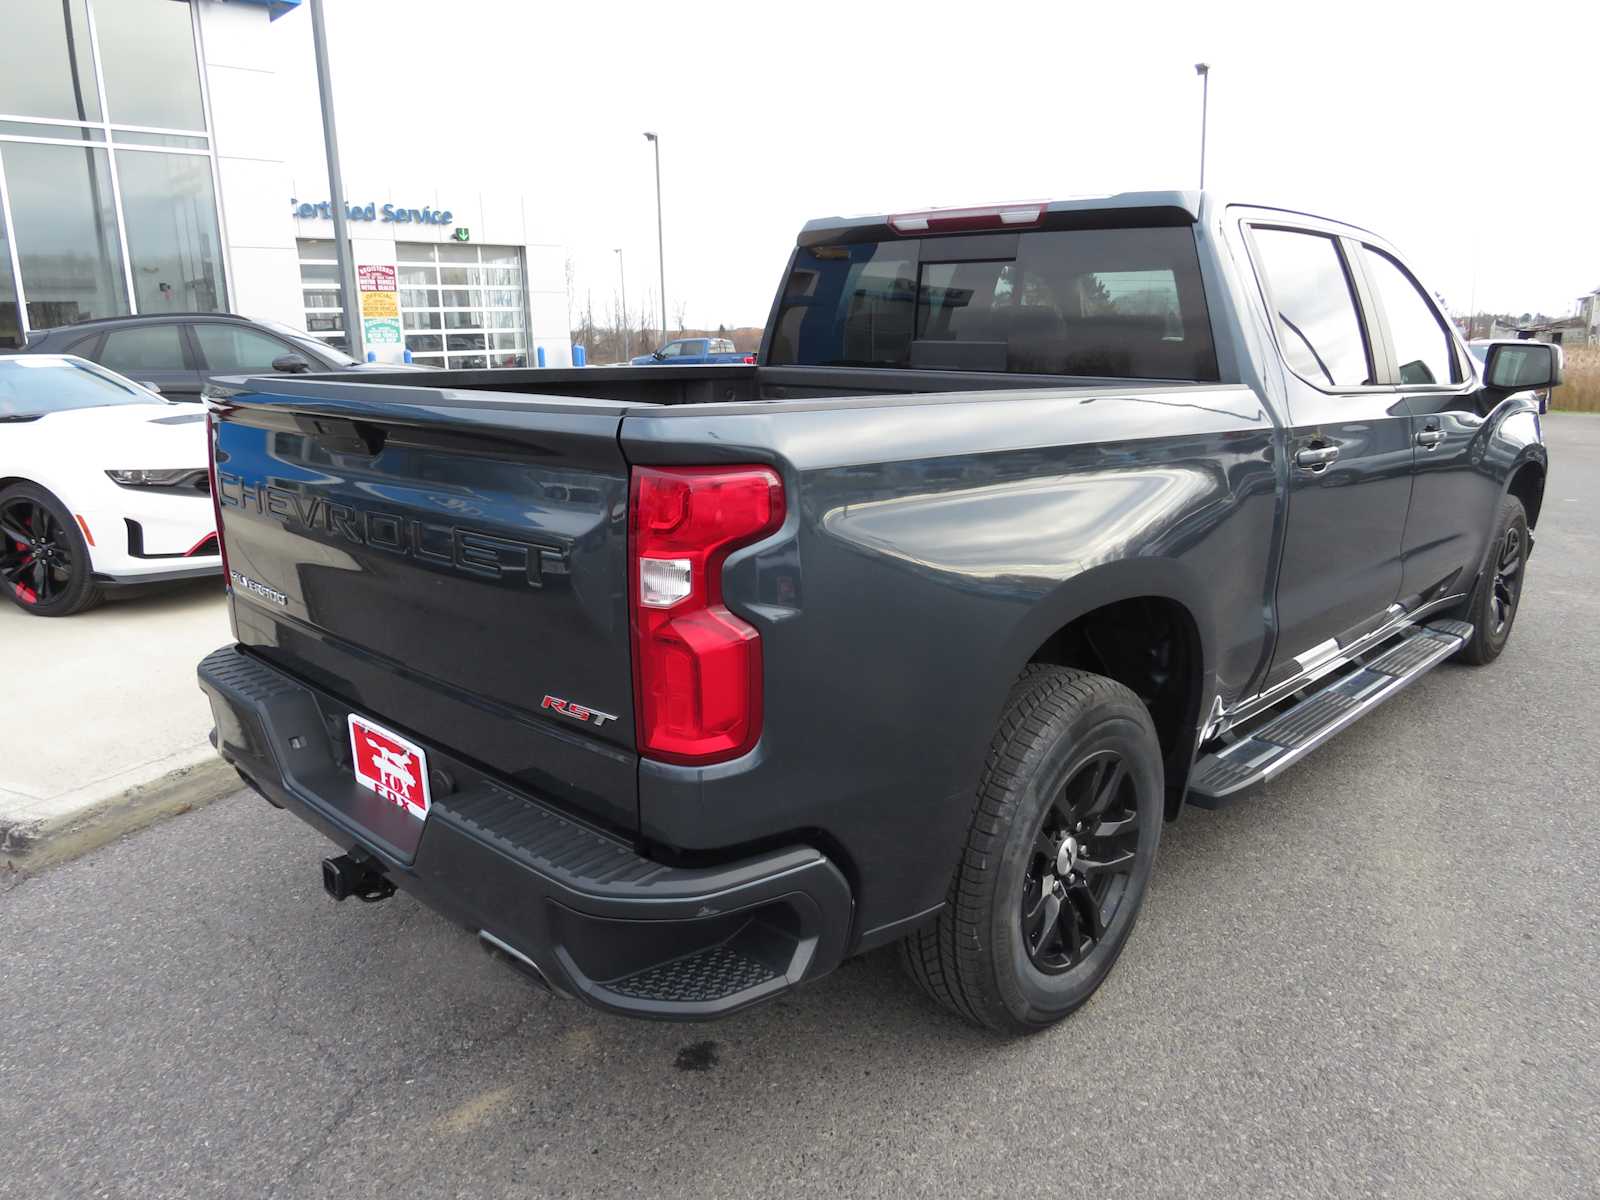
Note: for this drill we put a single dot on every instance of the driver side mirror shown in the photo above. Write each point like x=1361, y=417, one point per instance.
x=658, y=355
x=1523, y=366
x=291, y=364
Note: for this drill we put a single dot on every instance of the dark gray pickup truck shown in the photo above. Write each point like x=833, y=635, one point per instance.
x=1034, y=523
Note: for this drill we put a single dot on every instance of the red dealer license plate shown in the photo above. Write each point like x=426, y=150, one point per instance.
x=397, y=770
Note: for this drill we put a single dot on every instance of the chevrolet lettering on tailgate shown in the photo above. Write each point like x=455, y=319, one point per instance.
x=468, y=551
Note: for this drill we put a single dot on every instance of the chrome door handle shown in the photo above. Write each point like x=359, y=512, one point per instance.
x=1315, y=457
x=1429, y=438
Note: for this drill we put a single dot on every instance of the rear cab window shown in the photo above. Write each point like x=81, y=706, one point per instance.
x=1111, y=303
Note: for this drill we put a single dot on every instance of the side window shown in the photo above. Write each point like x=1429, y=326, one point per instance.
x=672, y=350
x=143, y=348
x=695, y=349
x=1317, y=322
x=236, y=349
x=1421, y=345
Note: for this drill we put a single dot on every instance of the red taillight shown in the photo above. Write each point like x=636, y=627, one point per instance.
x=696, y=666
x=750, y=359
x=216, y=496
x=962, y=220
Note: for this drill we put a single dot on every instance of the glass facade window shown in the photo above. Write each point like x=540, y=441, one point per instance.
x=173, y=243
x=66, y=232
x=99, y=232
x=10, y=318
x=66, y=133
x=174, y=141
x=147, y=57
x=46, y=69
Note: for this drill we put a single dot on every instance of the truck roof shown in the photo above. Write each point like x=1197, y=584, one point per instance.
x=1170, y=207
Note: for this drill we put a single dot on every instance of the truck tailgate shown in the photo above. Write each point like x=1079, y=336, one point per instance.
x=447, y=569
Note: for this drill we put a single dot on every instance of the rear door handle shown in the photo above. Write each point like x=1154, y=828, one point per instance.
x=1430, y=438
x=1315, y=457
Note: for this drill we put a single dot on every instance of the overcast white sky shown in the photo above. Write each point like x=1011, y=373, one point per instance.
x=1466, y=134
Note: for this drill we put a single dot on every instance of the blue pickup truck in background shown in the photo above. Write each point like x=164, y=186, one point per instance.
x=696, y=352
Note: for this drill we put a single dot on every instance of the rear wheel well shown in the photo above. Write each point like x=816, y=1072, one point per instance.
x=1527, y=485
x=1151, y=645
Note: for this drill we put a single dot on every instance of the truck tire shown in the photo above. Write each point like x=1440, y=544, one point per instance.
x=64, y=584
x=1492, y=608
x=1057, y=857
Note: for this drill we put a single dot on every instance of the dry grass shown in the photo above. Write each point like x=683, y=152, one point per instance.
x=1581, y=391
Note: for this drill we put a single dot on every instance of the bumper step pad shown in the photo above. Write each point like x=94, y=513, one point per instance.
x=1219, y=779
x=711, y=975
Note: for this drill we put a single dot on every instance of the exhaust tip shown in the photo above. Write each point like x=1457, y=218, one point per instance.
x=515, y=959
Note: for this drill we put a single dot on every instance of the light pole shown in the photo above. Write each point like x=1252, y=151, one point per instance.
x=341, y=234
x=1204, y=71
x=661, y=250
x=622, y=272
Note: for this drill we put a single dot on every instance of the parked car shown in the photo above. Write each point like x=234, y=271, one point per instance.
x=1035, y=523
x=1480, y=353
x=179, y=353
x=102, y=484
x=693, y=352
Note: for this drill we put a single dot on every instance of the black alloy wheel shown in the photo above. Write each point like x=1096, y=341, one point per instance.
x=1492, y=607
x=1057, y=859
x=44, y=561
x=1507, y=581
x=1083, y=856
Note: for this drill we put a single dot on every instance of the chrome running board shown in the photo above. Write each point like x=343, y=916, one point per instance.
x=1219, y=779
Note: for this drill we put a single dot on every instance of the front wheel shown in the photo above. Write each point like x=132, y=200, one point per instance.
x=44, y=561
x=1492, y=608
x=1057, y=858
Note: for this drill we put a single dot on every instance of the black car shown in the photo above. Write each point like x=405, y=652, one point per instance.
x=180, y=353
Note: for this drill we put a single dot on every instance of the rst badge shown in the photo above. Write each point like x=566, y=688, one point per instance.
x=389, y=765
x=576, y=712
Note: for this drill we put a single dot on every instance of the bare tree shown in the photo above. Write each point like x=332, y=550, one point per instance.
x=678, y=314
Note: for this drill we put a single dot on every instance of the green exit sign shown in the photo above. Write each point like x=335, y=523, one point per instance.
x=462, y=235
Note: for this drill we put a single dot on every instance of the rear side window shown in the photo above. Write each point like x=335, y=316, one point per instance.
x=1316, y=308
x=1117, y=303
x=143, y=348
x=1421, y=345
x=237, y=348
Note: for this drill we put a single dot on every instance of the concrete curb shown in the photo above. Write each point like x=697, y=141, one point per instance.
x=30, y=844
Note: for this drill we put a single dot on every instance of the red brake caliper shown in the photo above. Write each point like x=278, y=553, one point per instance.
x=24, y=593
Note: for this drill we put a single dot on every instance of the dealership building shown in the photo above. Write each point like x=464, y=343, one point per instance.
x=144, y=168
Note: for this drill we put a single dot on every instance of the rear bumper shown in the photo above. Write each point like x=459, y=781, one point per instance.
x=598, y=920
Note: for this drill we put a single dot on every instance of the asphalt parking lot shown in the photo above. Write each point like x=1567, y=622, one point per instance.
x=1378, y=980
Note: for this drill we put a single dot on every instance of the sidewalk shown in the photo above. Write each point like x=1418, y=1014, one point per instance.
x=106, y=729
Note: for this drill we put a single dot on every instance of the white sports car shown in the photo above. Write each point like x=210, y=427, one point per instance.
x=102, y=483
